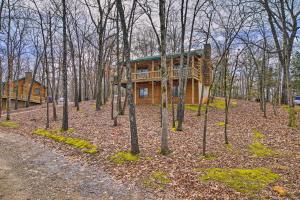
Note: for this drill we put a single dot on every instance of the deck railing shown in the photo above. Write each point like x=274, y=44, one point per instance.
x=156, y=75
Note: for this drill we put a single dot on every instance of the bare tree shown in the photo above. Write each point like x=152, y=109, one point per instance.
x=126, y=51
x=65, y=124
x=283, y=20
x=164, y=77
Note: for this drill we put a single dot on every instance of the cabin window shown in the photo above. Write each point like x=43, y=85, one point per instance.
x=175, y=91
x=143, y=92
x=142, y=72
x=37, y=91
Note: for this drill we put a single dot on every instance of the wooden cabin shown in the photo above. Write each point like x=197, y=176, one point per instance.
x=146, y=77
x=38, y=93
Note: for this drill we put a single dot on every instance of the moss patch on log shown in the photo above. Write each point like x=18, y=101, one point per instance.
x=84, y=145
x=9, y=124
x=243, y=180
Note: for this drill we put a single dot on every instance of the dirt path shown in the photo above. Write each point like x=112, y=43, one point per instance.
x=31, y=171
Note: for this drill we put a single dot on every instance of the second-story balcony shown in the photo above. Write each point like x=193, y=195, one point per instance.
x=156, y=75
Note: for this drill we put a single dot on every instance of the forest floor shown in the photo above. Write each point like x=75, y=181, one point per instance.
x=265, y=145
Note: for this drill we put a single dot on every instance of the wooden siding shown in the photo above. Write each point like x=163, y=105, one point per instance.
x=23, y=90
x=155, y=97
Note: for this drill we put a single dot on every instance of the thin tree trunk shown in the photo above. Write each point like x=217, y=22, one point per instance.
x=65, y=124
x=164, y=78
x=1, y=85
x=53, y=70
x=131, y=106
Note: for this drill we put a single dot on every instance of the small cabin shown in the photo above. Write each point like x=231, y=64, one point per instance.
x=38, y=93
x=146, y=77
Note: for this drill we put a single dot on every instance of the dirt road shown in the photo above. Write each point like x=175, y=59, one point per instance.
x=31, y=171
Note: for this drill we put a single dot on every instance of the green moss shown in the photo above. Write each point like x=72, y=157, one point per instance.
x=9, y=124
x=149, y=158
x=174, y=129
x=210, y=156
x=123, y=157
x=86, y=146
x=157, y=180
x=221, y=123
x=260, y=150
x=194, y=107
x=70, y=130
x=242, y=180
x=258, y=135
x=229, y=147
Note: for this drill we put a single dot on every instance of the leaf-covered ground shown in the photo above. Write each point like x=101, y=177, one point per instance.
x=181, y=171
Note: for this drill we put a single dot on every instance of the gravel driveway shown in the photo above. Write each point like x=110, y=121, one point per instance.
x=31, y=171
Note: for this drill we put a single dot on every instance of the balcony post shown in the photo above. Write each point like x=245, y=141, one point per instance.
x=193, y=91
x=134, y=92
x=172, y=71
x=193, y=65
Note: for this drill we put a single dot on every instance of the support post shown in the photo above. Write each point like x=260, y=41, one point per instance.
x=134, y=92
x=152, y=93
x=193, y=91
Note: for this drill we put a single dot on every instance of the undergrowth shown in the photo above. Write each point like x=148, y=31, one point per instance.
x=86, y=146
x=246, y=181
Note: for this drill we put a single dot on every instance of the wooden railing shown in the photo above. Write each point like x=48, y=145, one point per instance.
x=156, y=75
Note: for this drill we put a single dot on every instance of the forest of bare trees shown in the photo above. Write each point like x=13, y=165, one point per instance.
x=81, y=49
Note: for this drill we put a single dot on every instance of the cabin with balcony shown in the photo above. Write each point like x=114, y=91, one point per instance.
x=146, y=78
x=38, y=93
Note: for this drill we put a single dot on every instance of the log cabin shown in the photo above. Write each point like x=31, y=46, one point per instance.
x=38, y=93
x=146, y=77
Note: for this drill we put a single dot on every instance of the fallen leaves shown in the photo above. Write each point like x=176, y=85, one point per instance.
x=185, y=164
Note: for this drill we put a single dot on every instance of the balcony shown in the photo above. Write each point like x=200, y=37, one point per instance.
x=156, y=75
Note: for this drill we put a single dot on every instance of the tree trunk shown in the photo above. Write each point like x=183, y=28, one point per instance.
x=65, y=124
x=164, y=78
x=131, y=105
x=53, y=70
x=1, y=85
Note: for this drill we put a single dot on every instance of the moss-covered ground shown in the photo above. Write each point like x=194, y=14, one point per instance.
x=157, y=180
x=243, y=180
x=122, y=157
x=9, y=124
x=86, y=146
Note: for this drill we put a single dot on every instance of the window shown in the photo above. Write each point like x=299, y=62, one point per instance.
x=143, y=92
x=175, y=91
x=37, y=91
x=142, y=72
